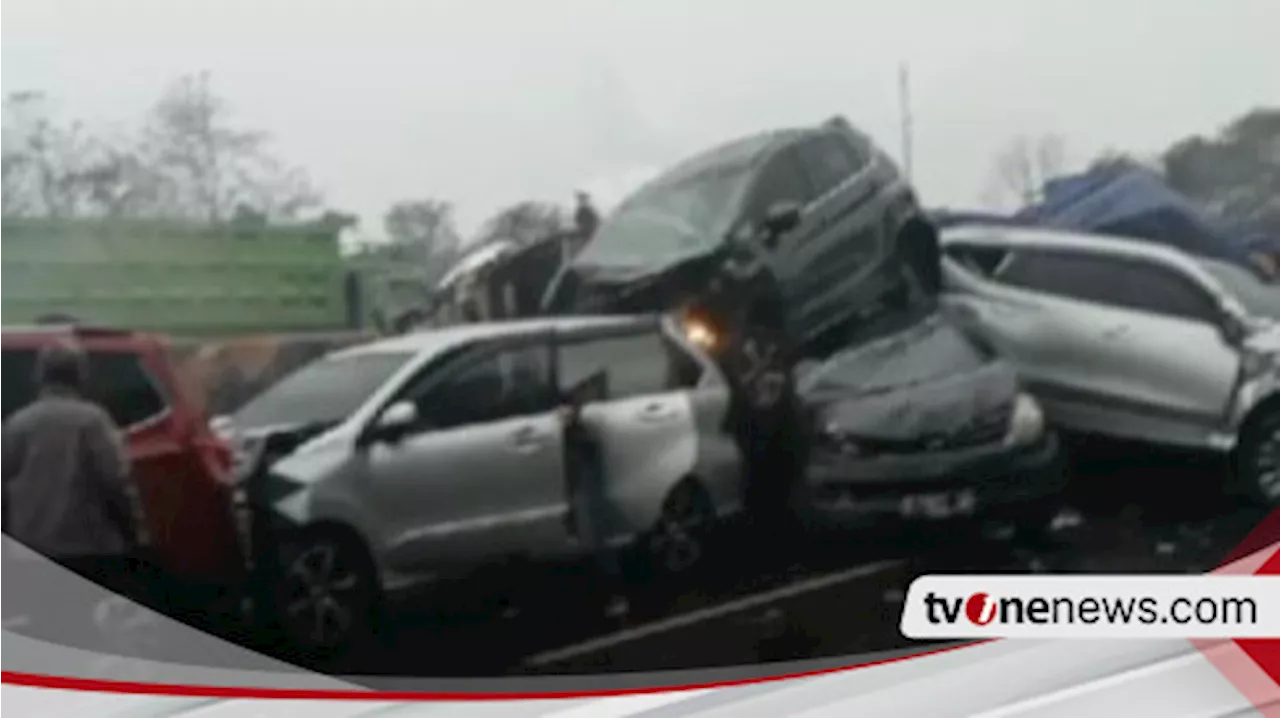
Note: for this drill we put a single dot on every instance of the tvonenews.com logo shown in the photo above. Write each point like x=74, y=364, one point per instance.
x=983, y=609
x=1102, y=606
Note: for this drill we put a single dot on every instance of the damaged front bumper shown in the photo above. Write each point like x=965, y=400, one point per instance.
x=851, y=492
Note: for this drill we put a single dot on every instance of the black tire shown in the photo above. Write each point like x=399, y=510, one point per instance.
x=1258, y=460
x=323, y=596
x=678, y=540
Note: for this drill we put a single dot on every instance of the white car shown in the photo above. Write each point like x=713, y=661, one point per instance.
x=1129, y=339
x=383, y=466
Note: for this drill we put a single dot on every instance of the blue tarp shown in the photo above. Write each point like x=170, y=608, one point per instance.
x=1134, y=202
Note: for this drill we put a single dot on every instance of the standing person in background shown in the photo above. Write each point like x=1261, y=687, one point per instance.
x=585, y=217
x=67, y=490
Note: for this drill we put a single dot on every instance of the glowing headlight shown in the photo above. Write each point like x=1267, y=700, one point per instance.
x=1027, y=423
x=700, y=333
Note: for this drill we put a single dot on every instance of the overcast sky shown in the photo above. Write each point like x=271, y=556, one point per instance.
x=486, y=102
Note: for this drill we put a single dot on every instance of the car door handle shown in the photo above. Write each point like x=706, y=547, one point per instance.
x=657, y=412
x=1115, y=332
x=526, y=439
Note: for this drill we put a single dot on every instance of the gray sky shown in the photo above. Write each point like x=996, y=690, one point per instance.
x=486, y=102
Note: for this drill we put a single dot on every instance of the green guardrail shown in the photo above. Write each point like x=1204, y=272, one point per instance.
x=174, y=277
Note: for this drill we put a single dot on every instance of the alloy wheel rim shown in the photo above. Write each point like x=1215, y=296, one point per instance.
x=319, y=595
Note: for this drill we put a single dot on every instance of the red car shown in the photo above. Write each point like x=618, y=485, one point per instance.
x=183, y=471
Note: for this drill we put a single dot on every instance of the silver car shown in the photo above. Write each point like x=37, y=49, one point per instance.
x=1129, y=339
x=400, y=461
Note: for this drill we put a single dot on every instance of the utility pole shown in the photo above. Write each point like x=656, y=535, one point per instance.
x=904, y=108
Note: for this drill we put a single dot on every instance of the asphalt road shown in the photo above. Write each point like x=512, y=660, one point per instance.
x=762, y=599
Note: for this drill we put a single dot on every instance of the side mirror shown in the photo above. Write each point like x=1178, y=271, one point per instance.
x=781, y=218
x=396, y=420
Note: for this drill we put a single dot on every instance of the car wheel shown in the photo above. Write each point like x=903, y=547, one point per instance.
x=1258, y=461
x=324, y=595
x=677, y=542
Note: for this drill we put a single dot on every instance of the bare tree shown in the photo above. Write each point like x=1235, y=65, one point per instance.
x=421, y=228
x=13, y=164
x=1024, y=166
x=45, y=161
x=210, y=167
x=524, y=222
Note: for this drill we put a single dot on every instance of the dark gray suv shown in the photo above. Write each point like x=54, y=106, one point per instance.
x=763, y=244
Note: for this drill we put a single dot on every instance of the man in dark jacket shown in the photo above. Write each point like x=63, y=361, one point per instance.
x=585, y=217
x=67, y=491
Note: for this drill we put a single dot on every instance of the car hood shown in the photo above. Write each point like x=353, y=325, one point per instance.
x=256, y=445
x=931, y=380
x=638, y=288
x=300, y=430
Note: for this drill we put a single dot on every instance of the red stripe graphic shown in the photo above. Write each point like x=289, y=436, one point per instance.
x=195, y=691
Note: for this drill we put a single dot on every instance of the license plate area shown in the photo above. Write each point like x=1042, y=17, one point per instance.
x=938, y=505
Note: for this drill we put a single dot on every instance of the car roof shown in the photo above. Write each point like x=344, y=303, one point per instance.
x=1050, y=238
x=436, y=339
x=741, y=152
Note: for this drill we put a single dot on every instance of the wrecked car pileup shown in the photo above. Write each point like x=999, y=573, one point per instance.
x=762, y=246
x=924, y=423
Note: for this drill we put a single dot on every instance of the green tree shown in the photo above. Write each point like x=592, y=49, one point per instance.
x=421, y=228
x=1236, y=173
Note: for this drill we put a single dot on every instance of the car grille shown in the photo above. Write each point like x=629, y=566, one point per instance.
x=987, y=427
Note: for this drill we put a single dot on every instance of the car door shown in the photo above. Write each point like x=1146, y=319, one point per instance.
x=1013, y=299
x=1107, y=344
x=848, y=234
x=481, y=476
x=1179, y=370
x=645, y=424
x=783, y=179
